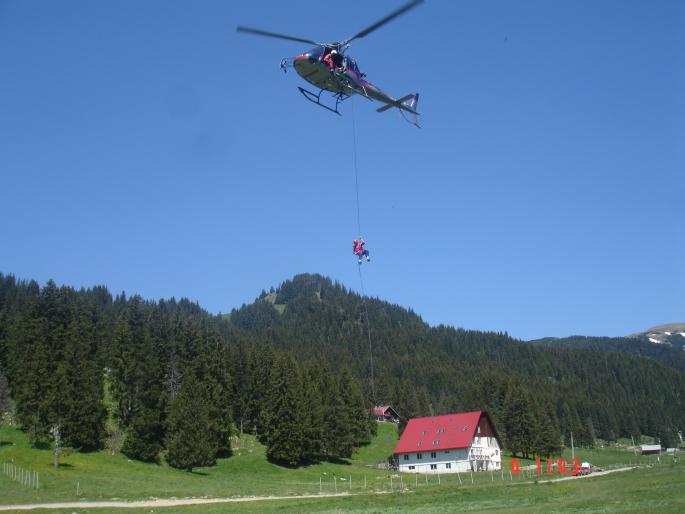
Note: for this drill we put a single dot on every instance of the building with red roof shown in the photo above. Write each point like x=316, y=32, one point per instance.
x=451, y=443
x=385, y=413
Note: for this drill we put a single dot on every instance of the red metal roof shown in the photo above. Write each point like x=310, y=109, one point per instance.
x=440, y=432
x=380, y=410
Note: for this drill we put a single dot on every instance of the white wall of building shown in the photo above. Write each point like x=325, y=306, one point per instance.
x=454, y=460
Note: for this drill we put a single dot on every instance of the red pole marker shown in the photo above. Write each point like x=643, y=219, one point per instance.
x=539, y=470
x=515, y=467
x=562, y=466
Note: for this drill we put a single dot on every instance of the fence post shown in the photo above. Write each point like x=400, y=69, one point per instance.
x=459, y=477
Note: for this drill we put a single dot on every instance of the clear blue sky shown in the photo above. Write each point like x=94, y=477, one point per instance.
x=147, y=146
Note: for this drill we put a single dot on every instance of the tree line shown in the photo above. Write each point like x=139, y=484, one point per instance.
x=169, y=382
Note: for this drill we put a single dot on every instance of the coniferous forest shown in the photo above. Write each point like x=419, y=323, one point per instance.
x=168, y=380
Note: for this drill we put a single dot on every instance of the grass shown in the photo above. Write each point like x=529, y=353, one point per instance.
x=101, y=476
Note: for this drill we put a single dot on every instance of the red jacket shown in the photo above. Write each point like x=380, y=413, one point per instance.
x=328, y=60
x=358, y=246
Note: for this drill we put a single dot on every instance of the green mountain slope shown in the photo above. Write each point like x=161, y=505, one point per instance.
x=671, y=352
x=422, y=369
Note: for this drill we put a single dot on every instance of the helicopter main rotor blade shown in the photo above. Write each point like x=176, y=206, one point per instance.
x=259, y=32
x=406, y=7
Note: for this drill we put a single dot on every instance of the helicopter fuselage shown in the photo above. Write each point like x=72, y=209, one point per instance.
x=347, y=79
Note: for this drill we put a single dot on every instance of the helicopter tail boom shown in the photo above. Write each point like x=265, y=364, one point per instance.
x=410, y=108
x=400, y=104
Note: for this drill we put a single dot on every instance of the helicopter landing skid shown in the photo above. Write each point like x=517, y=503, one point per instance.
x=316, y=99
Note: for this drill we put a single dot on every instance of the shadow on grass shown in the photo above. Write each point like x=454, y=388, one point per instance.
x=42, y=445
x=301, y=465
x=6, y=443
x=337, y=460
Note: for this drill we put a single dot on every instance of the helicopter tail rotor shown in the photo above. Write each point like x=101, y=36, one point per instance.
x=411, y=116
x=408, y=110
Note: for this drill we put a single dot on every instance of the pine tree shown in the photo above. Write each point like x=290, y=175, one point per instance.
x=285, y=437
x=4, y=395
x=144, y=436
x=339, y=420
x=547, y=436
x=519, y=422
x=313, y=428
x=354, y=402
x=219, y=386
x=190, y=439
x=139, y=381
x=33, y=377
x=83, y=414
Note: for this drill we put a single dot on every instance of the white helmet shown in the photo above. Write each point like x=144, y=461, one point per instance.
x=334, y=51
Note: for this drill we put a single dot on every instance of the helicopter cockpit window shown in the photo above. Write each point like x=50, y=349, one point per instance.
x=315, y=52
x=352, y=65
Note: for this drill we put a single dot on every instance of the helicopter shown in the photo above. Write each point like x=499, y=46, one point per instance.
x=328, y=68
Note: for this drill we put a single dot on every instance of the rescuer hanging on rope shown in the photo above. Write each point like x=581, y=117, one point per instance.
x=359, y=250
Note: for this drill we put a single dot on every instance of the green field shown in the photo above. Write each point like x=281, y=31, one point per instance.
x=100, y=476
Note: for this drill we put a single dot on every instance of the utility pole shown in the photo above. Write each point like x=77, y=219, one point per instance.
x=573, y=452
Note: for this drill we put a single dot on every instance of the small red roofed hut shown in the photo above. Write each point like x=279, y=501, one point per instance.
x=385, y=413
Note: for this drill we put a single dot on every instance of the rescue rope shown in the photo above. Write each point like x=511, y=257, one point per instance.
x=368, y=332
x=359, y=268
x=356, y=172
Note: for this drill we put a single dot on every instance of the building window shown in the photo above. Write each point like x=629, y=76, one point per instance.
x=411, y=467
x=479, y=429
x=496, y=452
x=434, y=466
x=436, y=442
x=447, y=451
x=440, y=431
x=406, y=456
x=448, y=465
x=419, y=455
x=433, y=455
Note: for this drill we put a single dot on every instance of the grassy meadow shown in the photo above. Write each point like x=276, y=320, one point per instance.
x=101, y=476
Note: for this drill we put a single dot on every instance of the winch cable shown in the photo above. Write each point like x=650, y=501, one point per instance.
x=359, y=267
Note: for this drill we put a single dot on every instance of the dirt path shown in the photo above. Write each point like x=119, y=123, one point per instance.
x=159, y=502
x=595, y=474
